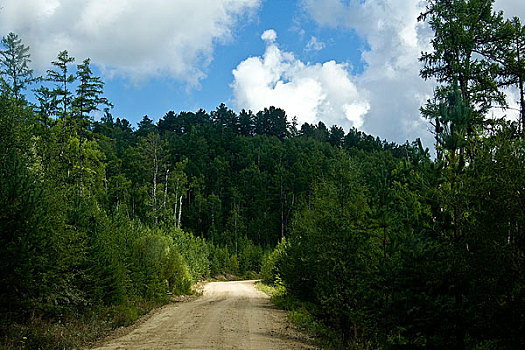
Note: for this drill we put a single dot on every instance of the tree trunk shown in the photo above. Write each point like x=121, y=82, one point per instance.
x=155, y=171
x=166, y=188
x=176, y=202
x=281, y=196
x=81, y=154
x=64, y=116
x=522, y=109
x=15, y=90
x=105, y=179
x=438, y=131
x=520, y=86
x=384, y=242
x=180, y=211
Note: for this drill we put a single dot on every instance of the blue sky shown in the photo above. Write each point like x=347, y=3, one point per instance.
x=157, y=96
x=353, y=63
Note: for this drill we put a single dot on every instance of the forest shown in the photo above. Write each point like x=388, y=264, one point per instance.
x=383, y=245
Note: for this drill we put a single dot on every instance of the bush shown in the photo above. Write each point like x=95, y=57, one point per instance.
x=270, y=268
x=177, y=274
x=123, y=315
x=250, y=257
x=195, y=252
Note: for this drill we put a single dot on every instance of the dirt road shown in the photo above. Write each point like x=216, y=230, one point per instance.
x=229, y=315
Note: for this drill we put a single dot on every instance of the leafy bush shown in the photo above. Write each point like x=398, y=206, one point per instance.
x=177, y=274
x=195, y=252
x=270, y=268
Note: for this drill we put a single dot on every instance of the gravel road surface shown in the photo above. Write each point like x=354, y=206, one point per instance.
x=229, y=315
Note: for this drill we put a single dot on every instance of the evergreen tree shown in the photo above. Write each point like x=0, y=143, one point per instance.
x=61, y=93
x=273, y=122
x=460, y=36
x=246, y=123
x=15, y=64
x=88, y=98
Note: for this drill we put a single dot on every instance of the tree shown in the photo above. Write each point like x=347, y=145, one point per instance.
x=327, y=255
x=225, y=118
x=15, y=64
x=146, y=126
x=170, y=123
x=246, y=123
x=460, y=36
x=273, y=122
x=510, y=53
x=337, y=134
x=61, y=77
x=180, y=181
x=152, y=151
x=517, y=69
x=495, y=192
x=87, y=99
x=452, y=119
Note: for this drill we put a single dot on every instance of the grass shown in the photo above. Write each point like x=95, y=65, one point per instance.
x=300, y=314
x=73, y=330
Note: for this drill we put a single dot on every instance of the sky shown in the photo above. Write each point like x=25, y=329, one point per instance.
x=352, y=63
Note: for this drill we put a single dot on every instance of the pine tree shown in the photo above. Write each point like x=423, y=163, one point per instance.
x=14, y=64
x=88, y=98
x=61, y=93
x=461, y=35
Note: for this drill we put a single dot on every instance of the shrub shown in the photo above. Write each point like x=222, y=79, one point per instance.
x=270, y=268
x=177, y=274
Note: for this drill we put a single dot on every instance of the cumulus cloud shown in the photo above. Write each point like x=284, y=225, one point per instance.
x=391, y=76
x=132, y=38
x=395, y=41
x=269, y=35
x=311, y=92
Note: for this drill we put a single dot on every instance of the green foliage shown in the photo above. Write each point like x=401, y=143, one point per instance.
x=270, y=273
x=195, y=252
x=249, y=256
x=461, y=35
x=326, y=260
x=376, y=245
x=177, y=274
x=14, y=64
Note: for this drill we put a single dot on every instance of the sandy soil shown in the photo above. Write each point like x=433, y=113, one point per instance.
x=229, y=315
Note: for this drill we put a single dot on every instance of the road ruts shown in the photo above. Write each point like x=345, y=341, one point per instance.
x=229, y=315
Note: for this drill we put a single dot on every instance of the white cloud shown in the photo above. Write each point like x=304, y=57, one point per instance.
x=132, y=38
x=311, y=92
x=511, y=8
x=391, y=76
x=269, y=35
x=315, y=45
x=395, y=41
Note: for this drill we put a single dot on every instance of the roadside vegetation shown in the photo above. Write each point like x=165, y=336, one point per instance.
x=367, y=243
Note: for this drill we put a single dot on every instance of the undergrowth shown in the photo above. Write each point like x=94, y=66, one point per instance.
x=301, y=314
x=73, y=330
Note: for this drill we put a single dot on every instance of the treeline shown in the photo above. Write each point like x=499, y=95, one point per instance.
x=377, y=242
x=392, y=253
x=100, y=218
x=232, y=175
x=76, y=257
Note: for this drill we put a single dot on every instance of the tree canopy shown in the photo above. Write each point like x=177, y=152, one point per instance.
x=378, y=245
